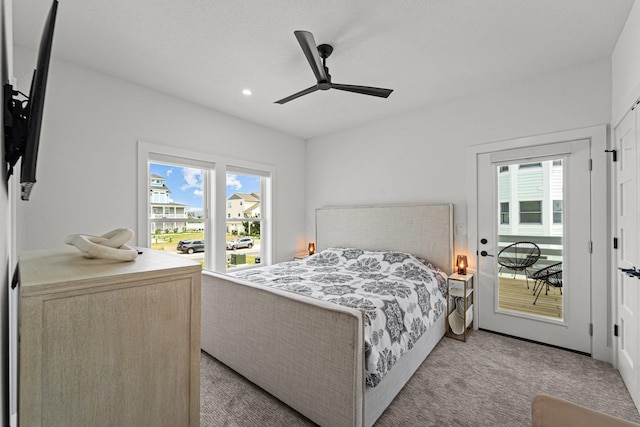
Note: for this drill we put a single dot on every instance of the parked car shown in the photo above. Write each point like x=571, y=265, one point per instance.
x=190, y=246
x=241, y=242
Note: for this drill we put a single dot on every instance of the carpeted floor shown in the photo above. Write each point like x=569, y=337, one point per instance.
x=488, y=381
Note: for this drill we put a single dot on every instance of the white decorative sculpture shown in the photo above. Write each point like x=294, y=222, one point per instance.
x=110, y=245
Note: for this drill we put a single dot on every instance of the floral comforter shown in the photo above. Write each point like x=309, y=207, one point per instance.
x=400, y=295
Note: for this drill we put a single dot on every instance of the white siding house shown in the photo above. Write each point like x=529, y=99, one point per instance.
x=530, y=199
x=240, y=208
x=164, y=214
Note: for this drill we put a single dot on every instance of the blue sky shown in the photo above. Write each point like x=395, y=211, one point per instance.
x=186, y=184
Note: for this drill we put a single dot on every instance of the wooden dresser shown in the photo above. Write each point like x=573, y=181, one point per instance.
x=109, y=343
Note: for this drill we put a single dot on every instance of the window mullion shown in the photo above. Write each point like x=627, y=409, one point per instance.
x=218, y=209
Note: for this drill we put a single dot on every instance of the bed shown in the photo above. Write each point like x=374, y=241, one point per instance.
x=310, y=353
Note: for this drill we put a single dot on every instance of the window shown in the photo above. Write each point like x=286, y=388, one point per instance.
x=531, y=212
x=196, y=208
x=557, y=162
x=530, y=165
x=244, y=213
x=175, y=216
x=504, y=169
x=504, y=213
x=557, y=211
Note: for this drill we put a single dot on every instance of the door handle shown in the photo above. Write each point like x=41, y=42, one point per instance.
x=485, y=253
x=631, y=272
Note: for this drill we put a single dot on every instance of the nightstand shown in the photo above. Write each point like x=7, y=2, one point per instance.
x=459, y=321
x=300, y=256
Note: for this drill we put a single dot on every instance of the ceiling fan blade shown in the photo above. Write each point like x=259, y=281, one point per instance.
x=310, y=49
x=366, y=90
x=297, y=95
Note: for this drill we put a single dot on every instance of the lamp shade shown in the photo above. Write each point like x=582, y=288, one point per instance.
x=461, y=264
x=312, y=248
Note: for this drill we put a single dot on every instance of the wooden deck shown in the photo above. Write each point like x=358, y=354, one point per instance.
x=515, y=296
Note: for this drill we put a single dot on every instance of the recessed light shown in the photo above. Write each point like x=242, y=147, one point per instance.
x=246, y=92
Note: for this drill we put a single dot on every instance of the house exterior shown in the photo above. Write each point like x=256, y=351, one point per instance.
x=530, y=199
x=530, y=207
x=240, y=207
x=164, y=214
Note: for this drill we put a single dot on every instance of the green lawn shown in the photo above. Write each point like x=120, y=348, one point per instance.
x=170, y=240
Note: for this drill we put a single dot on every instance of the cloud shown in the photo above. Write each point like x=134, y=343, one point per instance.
x=197, y=210
x=169, y=172
x=232, y=181
x=192, y=179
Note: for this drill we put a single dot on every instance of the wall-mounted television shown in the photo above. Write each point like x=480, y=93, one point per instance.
x=23, y=114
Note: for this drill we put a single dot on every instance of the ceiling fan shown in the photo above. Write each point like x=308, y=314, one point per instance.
x=319, y=68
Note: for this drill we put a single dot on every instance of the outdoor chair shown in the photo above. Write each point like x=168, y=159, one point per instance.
x=548, y=276
x=519, y=256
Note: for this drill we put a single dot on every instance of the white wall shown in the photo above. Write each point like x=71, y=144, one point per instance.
x=86, y=177
x=625, y=67
x=419, y=157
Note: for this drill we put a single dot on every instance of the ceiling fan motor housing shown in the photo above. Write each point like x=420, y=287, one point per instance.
x=325, y=50
x=325, y=84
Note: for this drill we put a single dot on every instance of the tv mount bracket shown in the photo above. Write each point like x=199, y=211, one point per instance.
x=15, y=114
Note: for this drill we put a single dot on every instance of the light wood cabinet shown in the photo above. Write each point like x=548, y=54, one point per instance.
x=109, y=343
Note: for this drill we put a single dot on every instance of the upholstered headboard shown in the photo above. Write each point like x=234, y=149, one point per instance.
x=425, y=231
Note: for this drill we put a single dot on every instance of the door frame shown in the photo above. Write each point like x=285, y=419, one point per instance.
x=602, y=303
x=616, y=277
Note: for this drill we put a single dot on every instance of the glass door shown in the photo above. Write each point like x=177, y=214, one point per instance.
x=534, y=243
x=530, y=230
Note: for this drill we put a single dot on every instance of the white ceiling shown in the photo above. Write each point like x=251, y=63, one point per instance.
x=428, y=51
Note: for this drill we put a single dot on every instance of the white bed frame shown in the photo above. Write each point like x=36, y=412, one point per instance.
x=310, y=353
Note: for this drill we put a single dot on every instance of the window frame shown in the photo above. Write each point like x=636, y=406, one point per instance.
x=531, y=165
x=520, y=211
x=214, y=198
x=554, y=211
x=503, y=213
x=264, y=185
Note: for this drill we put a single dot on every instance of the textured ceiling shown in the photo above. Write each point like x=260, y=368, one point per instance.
x=428, y=51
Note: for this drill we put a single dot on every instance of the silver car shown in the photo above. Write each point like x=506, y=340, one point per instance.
x=190, y=246
x=241, y=242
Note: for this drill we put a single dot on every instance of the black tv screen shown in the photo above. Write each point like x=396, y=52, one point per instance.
x=36, y=105
x=23, y=118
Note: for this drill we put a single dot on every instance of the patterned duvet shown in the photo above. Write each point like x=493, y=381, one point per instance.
x=400, y=295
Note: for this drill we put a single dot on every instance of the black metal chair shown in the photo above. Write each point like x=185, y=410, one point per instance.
x=546, y=277
x=519, y=256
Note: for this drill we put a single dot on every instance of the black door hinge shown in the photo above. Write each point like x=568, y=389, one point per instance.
x=615, y=243
x=15, y=280
x=614, y=154
x=615, y=330
x=590, y=329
